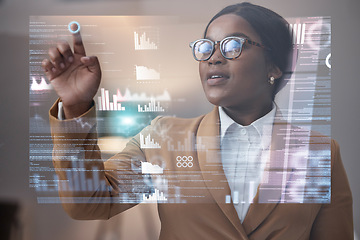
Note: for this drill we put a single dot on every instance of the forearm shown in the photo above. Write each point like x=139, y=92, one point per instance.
x=83, y=187
x=90, y=188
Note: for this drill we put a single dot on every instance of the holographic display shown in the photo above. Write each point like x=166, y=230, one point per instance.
x=148, y=70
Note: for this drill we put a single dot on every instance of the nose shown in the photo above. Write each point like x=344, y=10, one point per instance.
x=216, y=58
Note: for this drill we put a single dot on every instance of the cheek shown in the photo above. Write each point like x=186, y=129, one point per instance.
x=201, y=70
x=252, y=69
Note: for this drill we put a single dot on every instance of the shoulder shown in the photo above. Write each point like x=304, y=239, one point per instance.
x=324, y=147
x=175, y=123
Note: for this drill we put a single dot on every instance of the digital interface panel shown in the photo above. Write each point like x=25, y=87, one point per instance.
x=148, y=70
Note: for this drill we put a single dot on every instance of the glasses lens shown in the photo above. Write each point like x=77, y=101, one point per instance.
x=202, y=50
x=231, y=48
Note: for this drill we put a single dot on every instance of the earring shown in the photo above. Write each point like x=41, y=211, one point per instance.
x=271, y=80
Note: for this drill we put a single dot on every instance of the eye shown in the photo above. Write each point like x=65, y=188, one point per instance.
x=204, y=47
x=232, y=46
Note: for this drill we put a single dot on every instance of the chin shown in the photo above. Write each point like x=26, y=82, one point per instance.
x=214, y=101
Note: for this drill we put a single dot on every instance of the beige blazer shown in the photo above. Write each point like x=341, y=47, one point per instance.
x=203, y=187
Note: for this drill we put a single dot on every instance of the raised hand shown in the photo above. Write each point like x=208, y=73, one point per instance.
x=74, y=76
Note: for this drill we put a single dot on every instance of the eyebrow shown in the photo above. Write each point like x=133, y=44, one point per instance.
x=236, y=34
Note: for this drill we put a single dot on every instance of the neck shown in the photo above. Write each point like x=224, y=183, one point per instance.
x=247, y=115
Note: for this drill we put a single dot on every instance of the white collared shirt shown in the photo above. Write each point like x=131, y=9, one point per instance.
x=245, y=151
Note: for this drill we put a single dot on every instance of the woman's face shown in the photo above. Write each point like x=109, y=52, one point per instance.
x=240, y=83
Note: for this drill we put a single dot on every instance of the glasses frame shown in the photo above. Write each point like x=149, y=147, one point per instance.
x=220, y=43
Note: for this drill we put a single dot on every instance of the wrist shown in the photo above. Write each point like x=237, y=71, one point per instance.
x=76, y=110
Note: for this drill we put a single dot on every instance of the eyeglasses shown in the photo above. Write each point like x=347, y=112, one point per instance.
x=230, y=47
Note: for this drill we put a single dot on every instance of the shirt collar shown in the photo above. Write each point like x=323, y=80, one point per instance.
x=262, y=125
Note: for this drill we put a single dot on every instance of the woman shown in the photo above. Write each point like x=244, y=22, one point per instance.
x=223, y=195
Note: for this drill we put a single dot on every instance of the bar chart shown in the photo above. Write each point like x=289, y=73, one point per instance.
x=147, y=142
x=190, y=143
x=298, y=32
x=156, y=196
x=104, y=103
x=139, y=97
x=77, y=181
x=151, y=107
x=148, y=168
x=144, y=73
x=143, y=42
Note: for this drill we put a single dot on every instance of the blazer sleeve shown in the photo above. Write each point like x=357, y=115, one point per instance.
x=335, y=220
x=88, y=187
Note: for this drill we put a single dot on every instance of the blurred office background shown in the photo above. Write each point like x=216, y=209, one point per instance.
x=29, y=220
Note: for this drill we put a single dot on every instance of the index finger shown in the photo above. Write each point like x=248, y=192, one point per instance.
x=74, y=28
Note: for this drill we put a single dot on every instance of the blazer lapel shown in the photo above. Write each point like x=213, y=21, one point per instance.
x=271, y=190
x=211, y=167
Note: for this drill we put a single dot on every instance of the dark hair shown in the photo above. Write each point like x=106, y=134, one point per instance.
x=273, y=31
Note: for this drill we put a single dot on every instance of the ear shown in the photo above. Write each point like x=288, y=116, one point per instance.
x=274, y=71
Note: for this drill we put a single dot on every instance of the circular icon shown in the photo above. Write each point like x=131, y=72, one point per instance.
x=328, y=60
x=74, y=27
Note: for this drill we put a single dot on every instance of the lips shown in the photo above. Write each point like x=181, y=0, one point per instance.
x=216, y=78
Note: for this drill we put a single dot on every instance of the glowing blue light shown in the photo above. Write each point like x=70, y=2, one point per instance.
x=78, y=27
x=128, y=121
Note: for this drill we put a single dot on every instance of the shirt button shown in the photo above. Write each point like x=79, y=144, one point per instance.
x=243, y=132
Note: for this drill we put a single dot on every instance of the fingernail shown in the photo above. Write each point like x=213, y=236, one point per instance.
x=53, y=69
x=71, y=59
x=62, y=65
x=86, y=58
